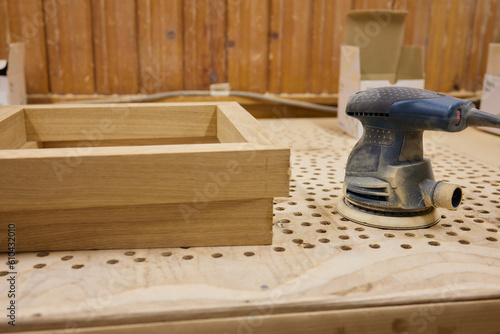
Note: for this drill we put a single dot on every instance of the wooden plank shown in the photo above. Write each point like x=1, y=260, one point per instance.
x=23, y=21
x=459, y=317
x=160, y=45
x=247, y=44
x=234, y=124
x=128, y=142
x=12, y=127
x=433, y=65
x=417, y=30
x=69, y=47
x=143, y=226
x=30, y=145
x=275, y=46
x=112, y=176
x=115, y=46
x=328, y=29
x=95, y=123
x=481, y=34
x=204, y=43
x=296, y=40
x=4, y=30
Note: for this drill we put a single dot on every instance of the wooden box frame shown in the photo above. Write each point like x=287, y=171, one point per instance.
x=200, y=174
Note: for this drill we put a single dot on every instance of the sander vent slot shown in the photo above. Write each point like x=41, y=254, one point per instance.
x=377, y=194
x=369, y=114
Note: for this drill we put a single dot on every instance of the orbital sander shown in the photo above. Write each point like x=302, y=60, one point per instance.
x=388, y=182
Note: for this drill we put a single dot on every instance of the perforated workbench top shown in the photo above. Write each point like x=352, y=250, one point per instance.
x=318, y=261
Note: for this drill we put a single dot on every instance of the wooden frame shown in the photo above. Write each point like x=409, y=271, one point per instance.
x=199, y=174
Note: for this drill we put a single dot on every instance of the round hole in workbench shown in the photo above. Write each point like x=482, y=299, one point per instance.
x=320, y=230
x=316, y=214
x=451, y=233
x=324, y=222
x=249, y=254
x=406, y=246
x=217, y=255
x=306, y=224
x=343, y=237
x=492, y=230
x=464, y=242
x=4, y=273
x=12, y=262
x=279, y=208
x=39, y=266
x=434, y=243
x=429, y=235
x=43, y=254
x=374, y=246
x=279, y=249
x=287, y=231
x=342, y=228
x=324, y=240
x=298, y=241
x=491, y=239
x=460, y=221
x=345, y=248
x=309, y=245
x=166, y=254
x=140, y=259
x=77, y=266
x=479, y=221
x=464, y=228
x=67, y=257
x=389, y=235
x=359, y=229
x=411, y=235
x=445, y=225
x=364, y=236
x=129, y=253
x=113, y=261
x=187, y=257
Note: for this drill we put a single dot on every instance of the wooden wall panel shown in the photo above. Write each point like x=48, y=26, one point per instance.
x=160, y=45
x=204, y=43
x=248, y=44
x=23, y=21
x=292, y=42
x=481, y=34
x=277, y=46
x=69, y=46
x=115, y=46
x=327, y=36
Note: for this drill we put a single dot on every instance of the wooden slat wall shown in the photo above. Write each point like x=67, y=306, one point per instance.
x=69, y=47
x=277, y=46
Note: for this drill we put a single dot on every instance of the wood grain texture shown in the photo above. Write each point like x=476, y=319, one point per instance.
x=115, y=46
x=204, y=43
x=247, y=44
x=321, y=271
x=23, y=21
x=112, y=176
x=234, y=124
x=12, y=128
x=291, y=42
x=143, y=226
x=69, y=47
x=95, y=123
x=457, y=318
x=160, y=39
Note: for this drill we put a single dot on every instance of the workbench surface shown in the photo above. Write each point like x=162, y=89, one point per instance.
x=322, y=272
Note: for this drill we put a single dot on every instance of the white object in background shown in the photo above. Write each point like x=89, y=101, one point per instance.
x=13, y=84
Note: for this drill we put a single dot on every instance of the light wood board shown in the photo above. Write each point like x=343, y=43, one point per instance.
x=321, y=269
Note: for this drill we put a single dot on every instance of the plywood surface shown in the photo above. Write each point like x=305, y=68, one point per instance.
x=318, y=261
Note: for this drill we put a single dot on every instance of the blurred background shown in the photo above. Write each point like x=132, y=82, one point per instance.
x=104, y=47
